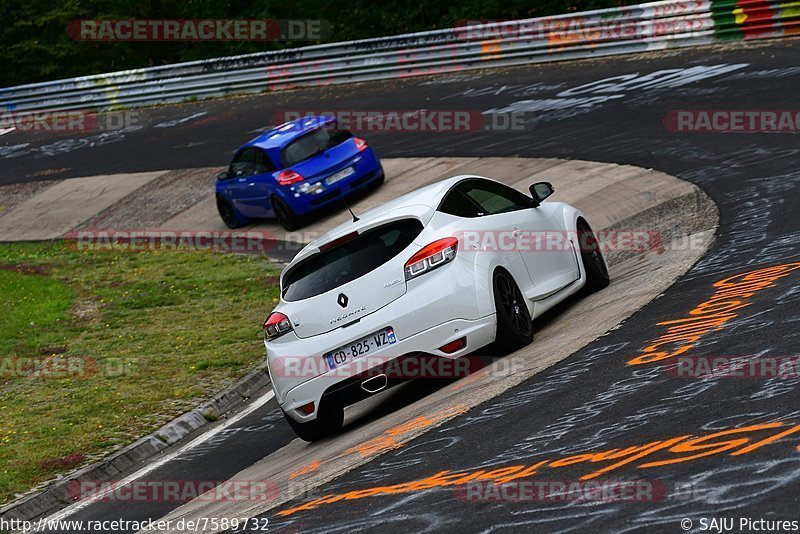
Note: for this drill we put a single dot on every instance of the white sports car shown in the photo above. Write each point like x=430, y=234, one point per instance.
x=452, y=267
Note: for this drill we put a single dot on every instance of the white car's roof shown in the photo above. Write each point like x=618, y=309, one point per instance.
x=414, y=203
x=430, y=195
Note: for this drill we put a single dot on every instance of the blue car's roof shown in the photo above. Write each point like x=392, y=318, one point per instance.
x=282, y=135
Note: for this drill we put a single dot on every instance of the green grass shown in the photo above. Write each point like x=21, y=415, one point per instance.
x=34, y=305
x=155, y=333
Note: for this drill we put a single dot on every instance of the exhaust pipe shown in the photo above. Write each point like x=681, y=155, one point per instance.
x=375, y=384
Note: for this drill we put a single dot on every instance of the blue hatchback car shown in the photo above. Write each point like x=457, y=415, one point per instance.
x=293, y=170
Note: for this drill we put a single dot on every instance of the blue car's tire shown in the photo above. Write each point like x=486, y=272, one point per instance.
x=285, y=215
x=229, y=215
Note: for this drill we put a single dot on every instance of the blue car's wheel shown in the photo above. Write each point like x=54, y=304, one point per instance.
x=288, y=219
x=228, y=214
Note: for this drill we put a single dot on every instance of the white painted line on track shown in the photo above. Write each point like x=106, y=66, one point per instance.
x=10, y=129
x=176, y=122
x=80, y=505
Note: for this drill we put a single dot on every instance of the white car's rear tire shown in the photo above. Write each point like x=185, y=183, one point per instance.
x=330, y=417
x=514, y=323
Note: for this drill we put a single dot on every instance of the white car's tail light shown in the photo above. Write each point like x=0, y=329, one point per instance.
x=431, y=256
x=289, y=177
x=276, y=325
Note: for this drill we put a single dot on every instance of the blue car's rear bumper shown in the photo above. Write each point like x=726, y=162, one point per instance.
x=366, y=172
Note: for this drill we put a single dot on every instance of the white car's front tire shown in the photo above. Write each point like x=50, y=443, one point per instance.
x=594, y=264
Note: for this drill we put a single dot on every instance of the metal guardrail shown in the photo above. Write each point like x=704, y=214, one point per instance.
x=639, y=28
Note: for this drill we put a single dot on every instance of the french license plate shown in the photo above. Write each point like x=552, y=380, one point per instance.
x=365, y=345
x=341, y=175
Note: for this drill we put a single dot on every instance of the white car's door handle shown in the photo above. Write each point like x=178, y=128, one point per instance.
x=516, y=232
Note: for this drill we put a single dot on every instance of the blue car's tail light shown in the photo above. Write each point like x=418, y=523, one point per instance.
x=431, y=256
x=361, y=145
x=289, y=177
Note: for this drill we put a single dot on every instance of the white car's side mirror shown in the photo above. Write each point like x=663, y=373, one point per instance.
x=540, y=191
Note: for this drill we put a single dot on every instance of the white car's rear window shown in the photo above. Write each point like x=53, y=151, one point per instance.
x=349, y=260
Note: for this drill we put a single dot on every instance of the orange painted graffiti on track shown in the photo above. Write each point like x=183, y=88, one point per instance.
x=685, y=448
x=731, y=294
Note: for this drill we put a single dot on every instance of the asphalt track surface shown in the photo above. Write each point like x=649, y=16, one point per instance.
x=593, y=401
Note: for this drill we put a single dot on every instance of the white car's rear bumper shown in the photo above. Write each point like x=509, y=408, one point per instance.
x=436, y=309
x=351, y=375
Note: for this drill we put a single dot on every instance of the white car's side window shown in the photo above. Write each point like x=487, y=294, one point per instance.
x=475, y=198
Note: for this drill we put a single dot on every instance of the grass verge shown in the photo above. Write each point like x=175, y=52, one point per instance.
x=98, y=348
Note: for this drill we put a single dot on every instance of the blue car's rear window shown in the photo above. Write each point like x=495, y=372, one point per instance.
x=314, y=142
